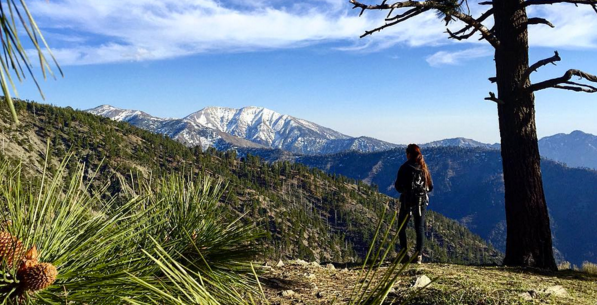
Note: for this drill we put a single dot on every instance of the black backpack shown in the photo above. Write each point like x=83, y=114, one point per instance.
x=417, y=195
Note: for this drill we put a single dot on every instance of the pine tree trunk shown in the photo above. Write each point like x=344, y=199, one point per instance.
x=528, y=232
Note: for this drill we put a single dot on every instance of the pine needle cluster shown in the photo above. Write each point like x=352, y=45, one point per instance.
x=168, y=235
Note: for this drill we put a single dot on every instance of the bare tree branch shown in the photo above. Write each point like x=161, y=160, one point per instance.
x=485, y=33
x=538, y=65
x=424, y=6
x=577, y=89
x=403, y=14
x=482, y=18
x=461, y=37
x=493, y=98
x=592, y=3
x=468, y=8
x=557, y=82
x=403, y=17
x=460, y=34
x=542, y=2
x=540, y=21
x=582, y=85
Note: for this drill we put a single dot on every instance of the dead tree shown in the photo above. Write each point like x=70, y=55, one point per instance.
x=529, y=240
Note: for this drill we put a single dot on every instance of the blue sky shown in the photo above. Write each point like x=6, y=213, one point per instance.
x=406, y=84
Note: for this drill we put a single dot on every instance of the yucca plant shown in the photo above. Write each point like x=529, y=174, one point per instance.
x=85, y=250
x=15, y=19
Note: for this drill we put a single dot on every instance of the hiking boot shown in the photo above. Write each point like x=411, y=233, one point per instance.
x=419, y=259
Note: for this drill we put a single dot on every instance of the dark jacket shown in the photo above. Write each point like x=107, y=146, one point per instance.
x=405, y=175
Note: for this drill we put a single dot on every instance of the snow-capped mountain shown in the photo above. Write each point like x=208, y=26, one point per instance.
x=135, y=117
x=181, y=130
x=252, y=127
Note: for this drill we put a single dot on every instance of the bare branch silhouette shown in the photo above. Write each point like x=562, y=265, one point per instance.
x=568, y=85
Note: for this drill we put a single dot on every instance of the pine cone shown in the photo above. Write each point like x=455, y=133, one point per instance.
x=39, y=277
x=34, y=276
x=29, y=260
x=11, y=248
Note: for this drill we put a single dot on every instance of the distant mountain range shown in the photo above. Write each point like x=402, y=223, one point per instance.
x=248, y=127
x=460, y=142
x=261, y=128
x=467, y=173
x=469, y=188
x=577, y=149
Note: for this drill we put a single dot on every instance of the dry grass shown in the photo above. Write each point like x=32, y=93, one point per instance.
x=456, y=284
x=564, y=266
x=589, y=268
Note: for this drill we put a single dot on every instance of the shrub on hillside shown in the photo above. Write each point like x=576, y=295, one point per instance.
x=565, y=265
x=589, y=268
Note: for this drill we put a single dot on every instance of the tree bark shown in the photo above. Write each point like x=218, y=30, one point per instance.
x=528, y=240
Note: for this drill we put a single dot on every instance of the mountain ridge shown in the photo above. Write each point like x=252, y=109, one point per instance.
x=261, y=127
x=576, y=149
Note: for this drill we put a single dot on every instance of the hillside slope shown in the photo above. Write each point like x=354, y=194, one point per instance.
x=305, y=212
x=469, y=188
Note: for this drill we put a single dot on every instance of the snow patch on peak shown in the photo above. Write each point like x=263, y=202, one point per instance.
x=102, y=109
x=261, y=125
x=246, y=127
x=118, y=114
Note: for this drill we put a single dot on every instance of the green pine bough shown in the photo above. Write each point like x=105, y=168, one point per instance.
x=15, y=17
x=109, y=251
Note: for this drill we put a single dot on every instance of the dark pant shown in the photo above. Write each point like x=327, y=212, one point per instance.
x=404, y=217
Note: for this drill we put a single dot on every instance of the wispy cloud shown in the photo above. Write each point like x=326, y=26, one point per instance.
x=443, y=58
x=575, y=27
x=137, y=30
x=158, y=29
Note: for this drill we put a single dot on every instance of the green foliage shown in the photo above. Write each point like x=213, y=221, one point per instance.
x=109, y=250
x=182, y=285
x=449, y=8
x=193, y=230
x=15, y=19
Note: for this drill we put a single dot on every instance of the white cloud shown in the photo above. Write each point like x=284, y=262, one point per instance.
x=443, y=58
x=171, y=28
x=136, y=30
x=575, y=27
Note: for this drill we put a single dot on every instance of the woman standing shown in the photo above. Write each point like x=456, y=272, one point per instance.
x=413, y=183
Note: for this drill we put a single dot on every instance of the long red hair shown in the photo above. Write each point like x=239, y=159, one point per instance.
x=415, y=155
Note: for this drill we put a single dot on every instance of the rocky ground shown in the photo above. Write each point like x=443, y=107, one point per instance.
x=300, y=282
